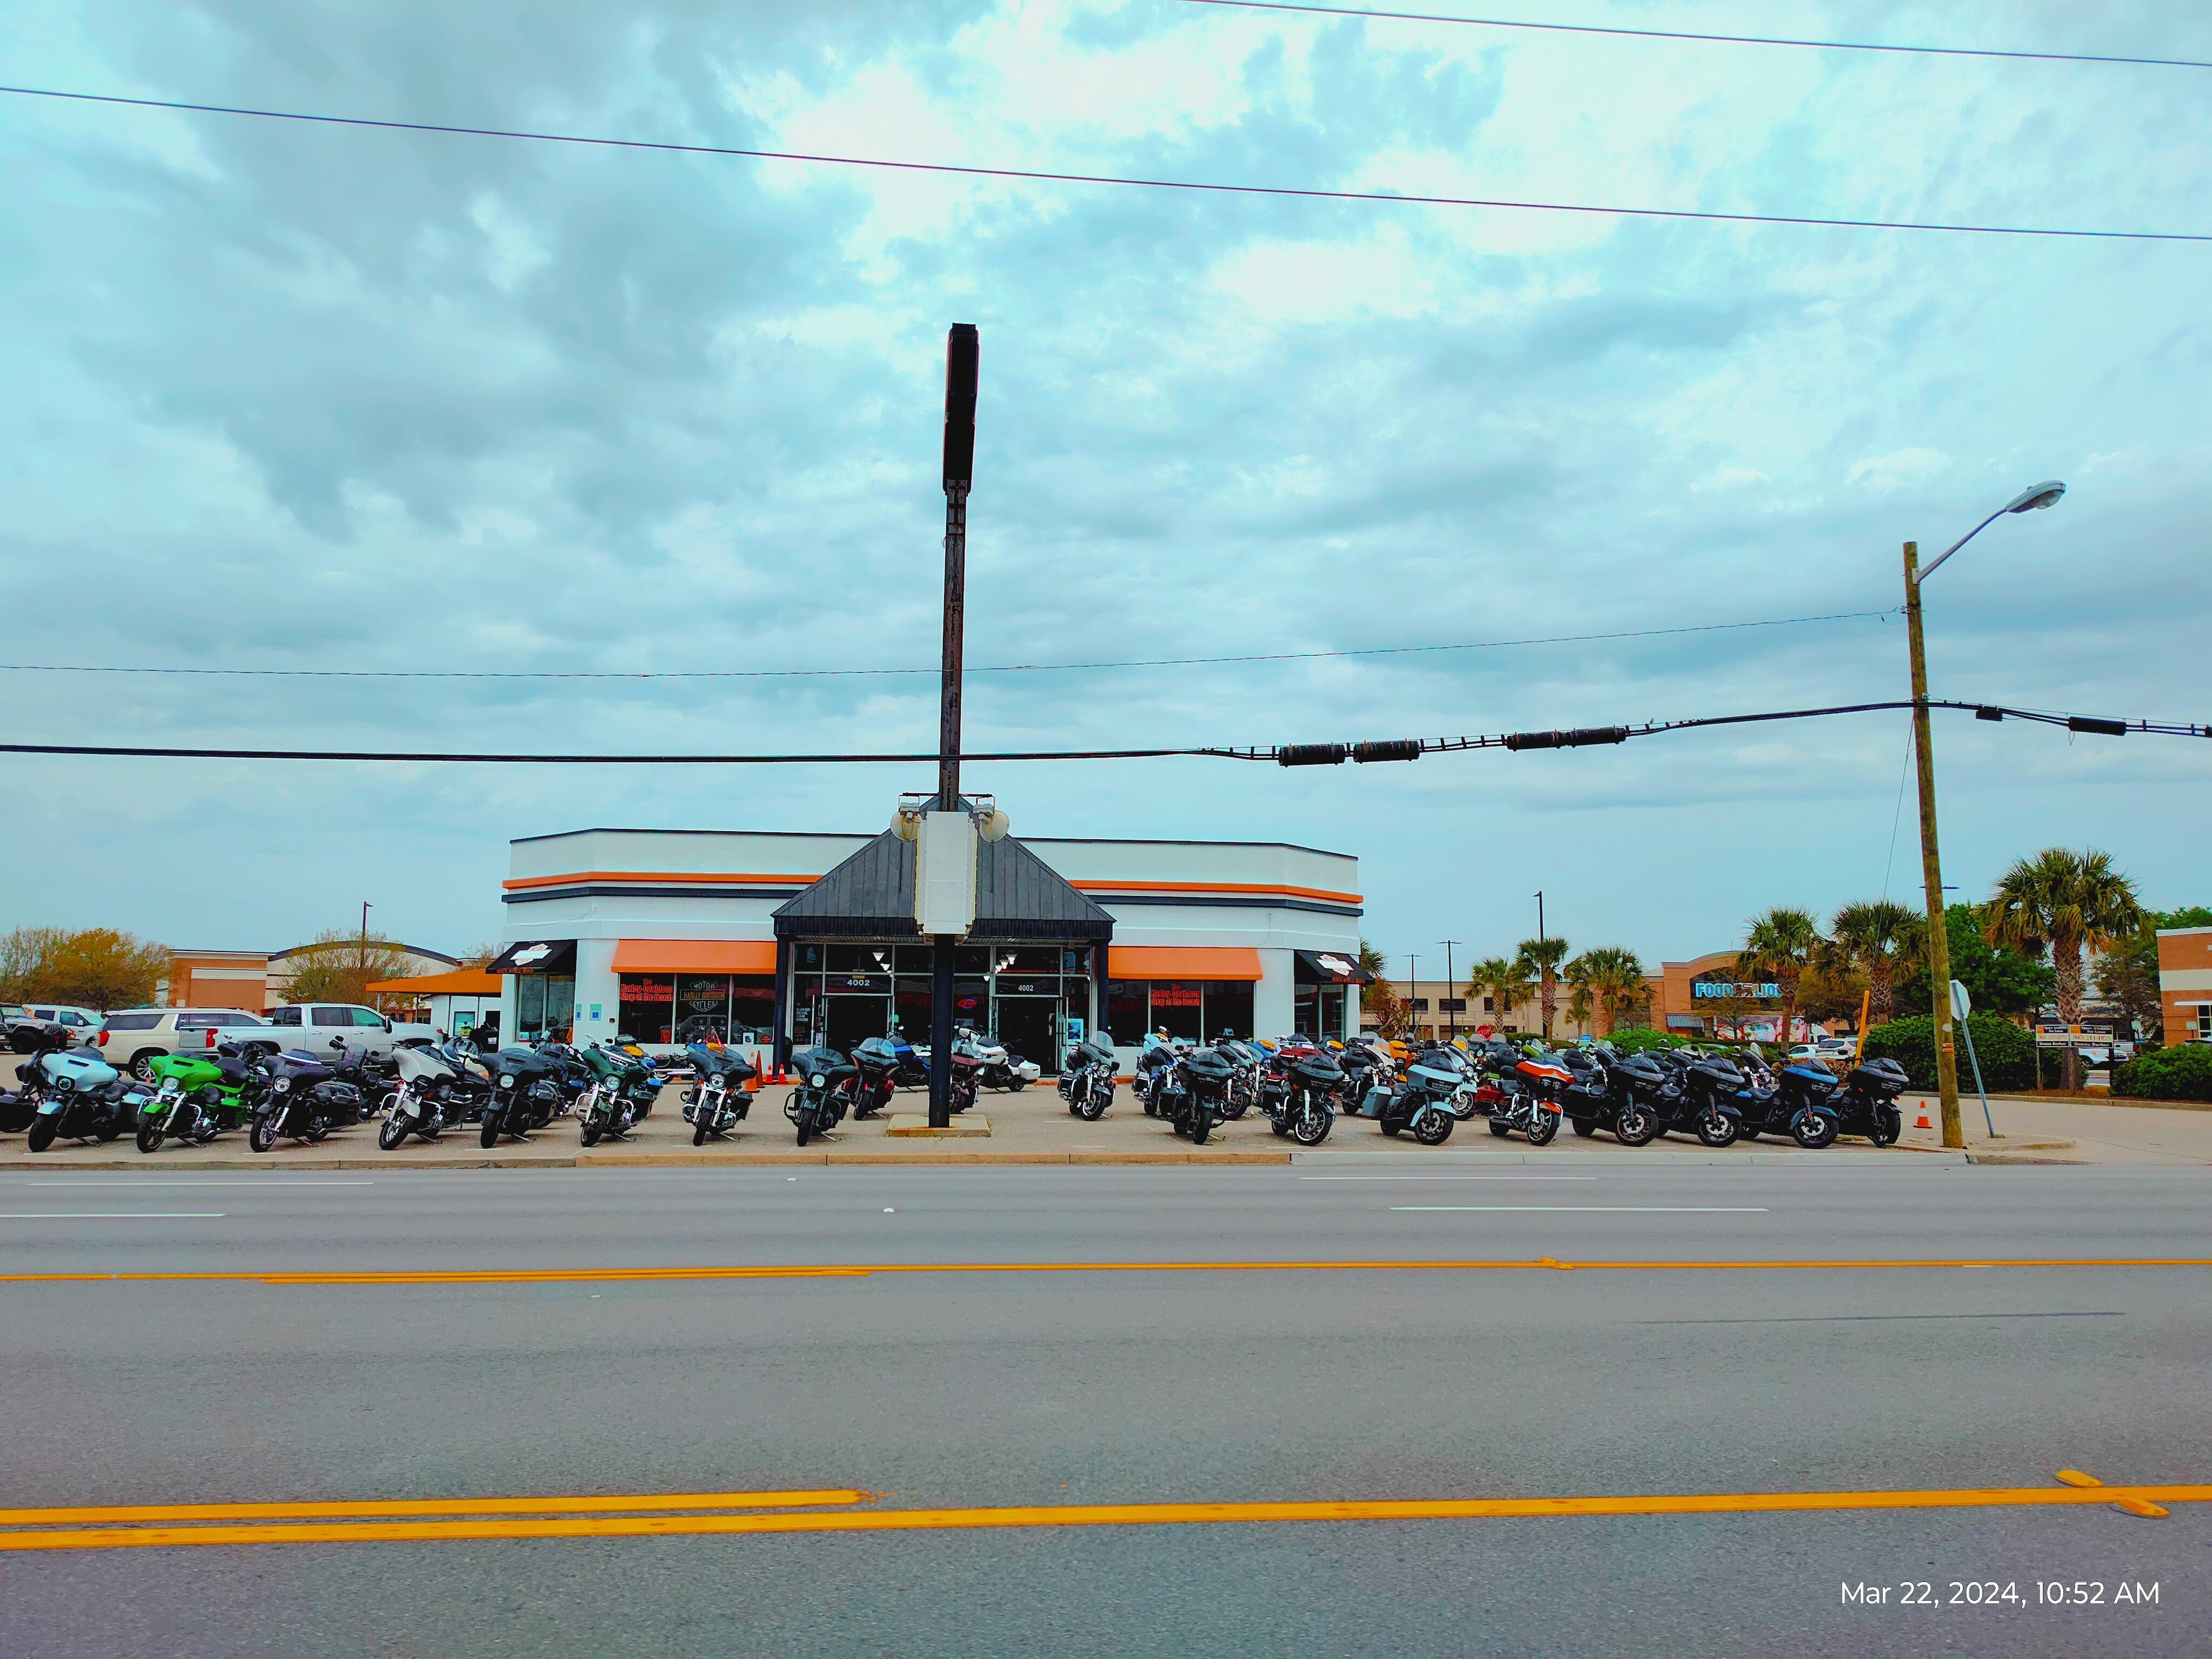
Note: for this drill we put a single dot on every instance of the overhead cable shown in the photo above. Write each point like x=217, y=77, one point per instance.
x=1712, y=40
x=1043, y=176
x=1309, y=754
x=933, y=672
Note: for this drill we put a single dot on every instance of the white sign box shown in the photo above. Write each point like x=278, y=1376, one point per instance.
x=945, y=874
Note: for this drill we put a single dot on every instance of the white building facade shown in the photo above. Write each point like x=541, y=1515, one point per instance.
x=773, y=941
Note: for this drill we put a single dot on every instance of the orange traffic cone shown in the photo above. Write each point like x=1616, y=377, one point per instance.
x=1924, y=1124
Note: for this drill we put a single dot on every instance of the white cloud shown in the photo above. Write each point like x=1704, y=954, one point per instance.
x=1883, y=473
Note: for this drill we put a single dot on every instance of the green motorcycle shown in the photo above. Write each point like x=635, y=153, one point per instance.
x=195, y=1099
x=623, y=1088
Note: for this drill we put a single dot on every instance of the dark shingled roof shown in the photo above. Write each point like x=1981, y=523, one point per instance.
x=870, y=896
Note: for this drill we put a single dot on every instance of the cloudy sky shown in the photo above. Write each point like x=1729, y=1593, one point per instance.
x=287, y=396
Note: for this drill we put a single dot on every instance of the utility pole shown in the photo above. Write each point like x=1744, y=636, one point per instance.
x=961, y=364
x=1413, y=989
x=1540, y=915
x=1451, y=983
x=364, y=940
x=1931, y=865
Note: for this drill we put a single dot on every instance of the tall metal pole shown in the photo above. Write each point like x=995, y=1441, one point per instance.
x=961, y=346
x=1451, y=983
x=1931, y=865
x=364, y=941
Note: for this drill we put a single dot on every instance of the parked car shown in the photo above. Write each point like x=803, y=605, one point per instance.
x=79, y=1023
x=133, y=1038
x=312, y=1025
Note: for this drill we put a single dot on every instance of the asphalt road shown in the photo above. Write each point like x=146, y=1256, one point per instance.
x=961, y=1389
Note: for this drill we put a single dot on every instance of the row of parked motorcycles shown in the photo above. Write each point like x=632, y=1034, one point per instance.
x=828, y=1083
x=1302, y=1087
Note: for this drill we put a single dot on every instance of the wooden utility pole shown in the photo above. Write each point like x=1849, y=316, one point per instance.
x=1931, y=865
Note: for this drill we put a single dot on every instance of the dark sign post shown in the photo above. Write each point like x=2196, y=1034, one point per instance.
x=960, y=348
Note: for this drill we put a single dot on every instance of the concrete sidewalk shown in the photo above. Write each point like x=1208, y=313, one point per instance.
x=1029, y=1127
x=2035, y=1131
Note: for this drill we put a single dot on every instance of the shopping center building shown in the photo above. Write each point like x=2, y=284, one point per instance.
x=772, y=940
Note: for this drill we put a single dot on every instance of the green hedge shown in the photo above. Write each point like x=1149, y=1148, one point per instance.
x=2181, y=1072
x=2007, y=1053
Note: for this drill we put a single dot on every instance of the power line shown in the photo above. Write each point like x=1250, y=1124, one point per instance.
x=1198, y=186
x=1712, y=40
x=1281, y=754
x=933, y=672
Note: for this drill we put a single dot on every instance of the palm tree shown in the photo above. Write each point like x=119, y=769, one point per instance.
x=1781, y=946
x=2065, y=899
x=1501, y=979
x=1539, y=958
x=1375, y=993
x=1609, y=980
x=1880, y=939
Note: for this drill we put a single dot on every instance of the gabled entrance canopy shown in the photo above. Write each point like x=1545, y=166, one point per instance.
x=871, y=896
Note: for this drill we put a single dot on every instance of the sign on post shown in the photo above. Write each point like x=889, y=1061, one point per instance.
x=944, y=875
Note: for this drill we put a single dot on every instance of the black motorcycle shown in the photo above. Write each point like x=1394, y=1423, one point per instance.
x=1612, y=1092
x=298, y=1096
x=1868, y=1103
x=1799, y=1103
x=71, y=1094
x=1306, y=1110
x=526, y=1089
x=1087, y=1080
x=716, y=1101
x=1192, y=1092
x=879, y=1063
x=1701, y=1097
x=822, y=1093
x=1155, y=1070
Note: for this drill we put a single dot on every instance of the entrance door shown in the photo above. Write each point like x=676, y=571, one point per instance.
x=848, y=1020
x=1030, y=1027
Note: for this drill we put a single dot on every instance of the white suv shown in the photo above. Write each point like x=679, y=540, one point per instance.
x=132, y=1037
x=24, y=1020
x=312, y=1026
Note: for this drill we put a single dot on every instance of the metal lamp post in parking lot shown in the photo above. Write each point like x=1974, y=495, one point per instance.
x=1939, y=944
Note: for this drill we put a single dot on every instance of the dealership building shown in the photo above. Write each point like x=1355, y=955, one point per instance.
x=774, y=941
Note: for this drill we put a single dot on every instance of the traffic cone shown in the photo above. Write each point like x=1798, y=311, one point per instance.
x=1924, y=1124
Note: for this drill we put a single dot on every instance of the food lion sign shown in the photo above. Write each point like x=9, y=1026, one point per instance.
x=1713, y=990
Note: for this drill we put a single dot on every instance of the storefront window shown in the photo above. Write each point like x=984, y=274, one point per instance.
x=1178, y=1009
x=753, y=1008
x=1229, y=1007
x=1125, y=1013
x=703, y=1008
x=648, y=1007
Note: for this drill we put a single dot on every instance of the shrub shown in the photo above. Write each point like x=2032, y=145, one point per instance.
x=2181, y=1072
x=2007, y=1053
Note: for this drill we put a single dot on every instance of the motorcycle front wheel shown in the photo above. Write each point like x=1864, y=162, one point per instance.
x=1717, y=1130
x=1201, y=1125
x=1542, y=1127
x=1092, y=1106
x=263, y=1135
x=1814, y=1130
x=150, y=1136
x=587, y=1132
x=1635, y=1126
x=393, y=1132
x=41, y=1135
x=1312, y=1128
x=488, y=1135
x=1889, y=1124
x=1436, y=1128
x=699, y=1130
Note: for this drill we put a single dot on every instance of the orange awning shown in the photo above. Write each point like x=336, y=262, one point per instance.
x=1181, y=961
x=461, y=982
x=696, y=955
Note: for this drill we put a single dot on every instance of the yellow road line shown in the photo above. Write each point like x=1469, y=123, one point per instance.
x=1110, y=1515
x=598, y=1275
x=407, y=1507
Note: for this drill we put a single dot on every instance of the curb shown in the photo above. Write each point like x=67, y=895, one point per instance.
x=1631, y=1161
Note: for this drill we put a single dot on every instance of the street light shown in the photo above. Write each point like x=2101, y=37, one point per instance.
x=1451, y=984
x=1931, y=867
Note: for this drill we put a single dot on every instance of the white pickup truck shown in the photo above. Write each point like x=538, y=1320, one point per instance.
x=311, y=1025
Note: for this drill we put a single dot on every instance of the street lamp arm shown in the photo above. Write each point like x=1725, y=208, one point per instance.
x=1929, y=569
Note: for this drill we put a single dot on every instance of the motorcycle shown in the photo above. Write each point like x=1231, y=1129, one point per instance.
x=879, y=1062
x=1612, y=1092
x=1155, y=1070
x=610, y=1104
x=1800, y=1103
x=716, y=1101
x=988, y=1057
x=1434, y=1098
x=299, y=1098
x=1087, y=1079
x=1304, y=1109
x=1868, y=1101
x=435, y=1089
x=1702, y=1096
x=73, y=1094
x=818, y=1101
x=1191, y=1093
x=194, y=1099
x=527, y=1088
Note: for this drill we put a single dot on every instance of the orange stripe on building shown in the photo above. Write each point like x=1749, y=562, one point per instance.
x=719, y=878
x=1183, y=962
x=695, y=956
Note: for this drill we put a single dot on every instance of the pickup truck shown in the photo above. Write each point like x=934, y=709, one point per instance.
x=311, y=1025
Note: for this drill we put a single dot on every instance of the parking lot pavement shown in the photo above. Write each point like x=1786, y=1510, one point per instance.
x=2070, y=1131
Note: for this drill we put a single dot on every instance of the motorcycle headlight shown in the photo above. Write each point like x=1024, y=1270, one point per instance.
x=818, y=1079
x=506, y=1081
x=283, y=1083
